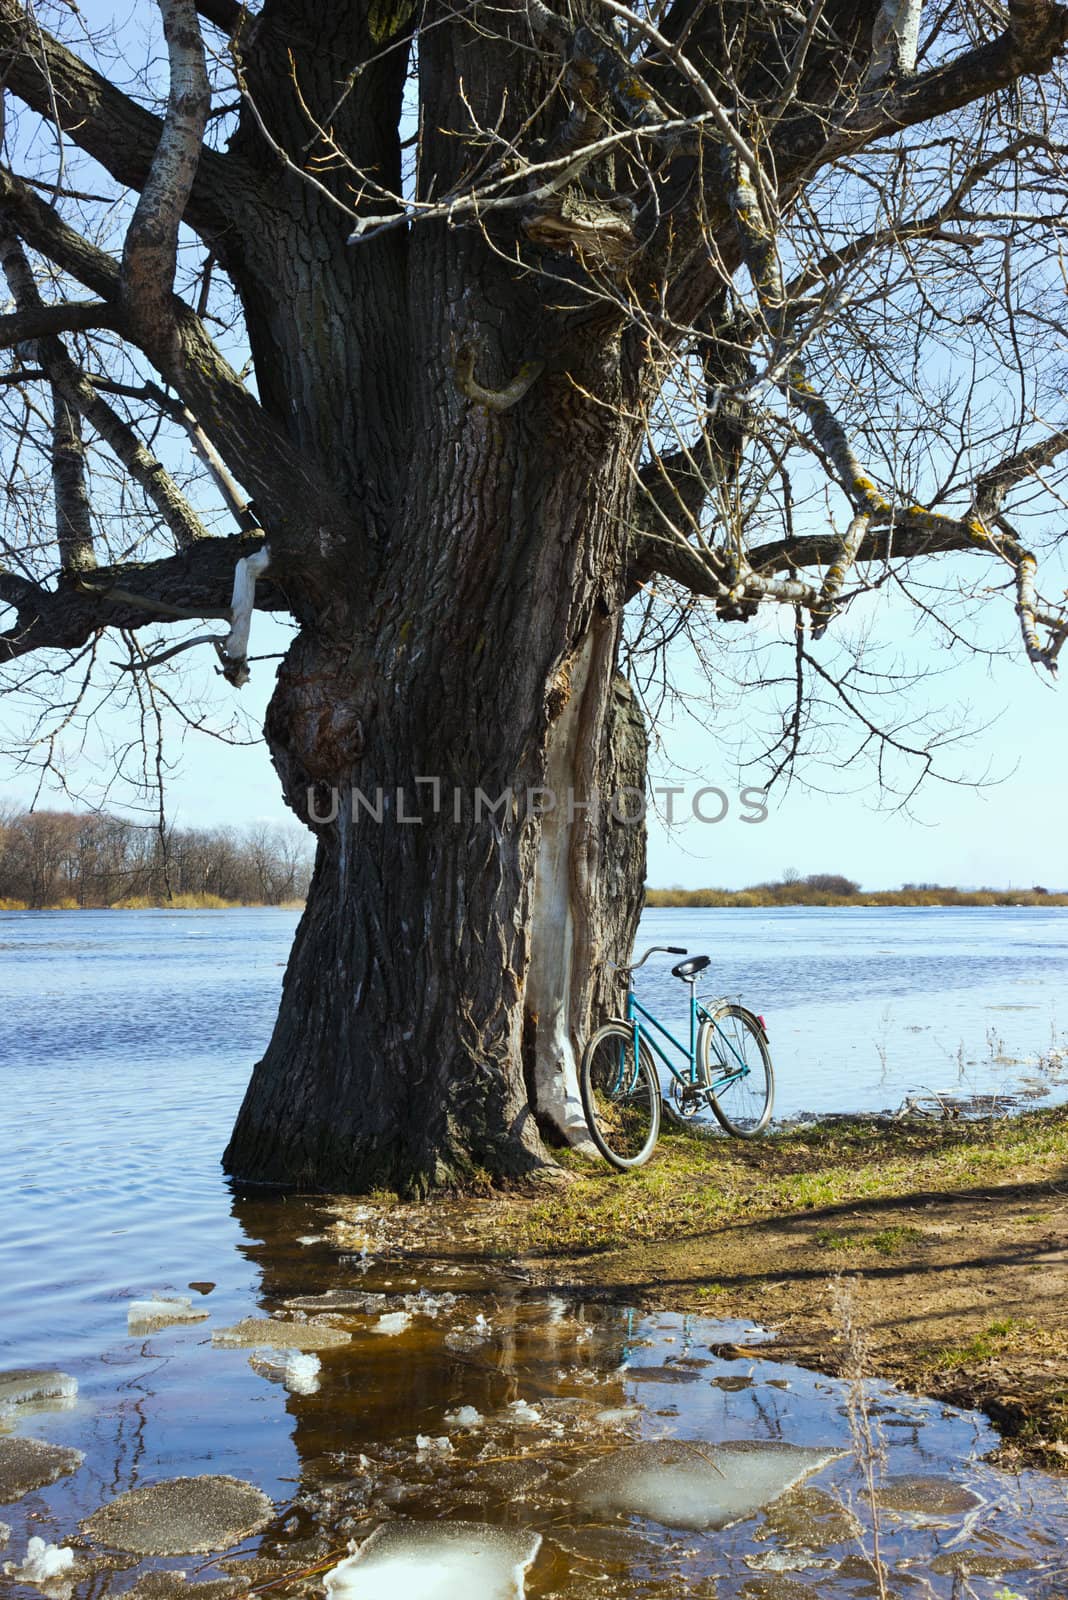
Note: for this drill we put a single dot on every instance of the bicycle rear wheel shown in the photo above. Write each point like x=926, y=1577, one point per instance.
x=734, y=1056
x=620, y=1096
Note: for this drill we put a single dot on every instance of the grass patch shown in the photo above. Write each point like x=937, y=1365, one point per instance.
x=694, y=1185
x=887, y=1241
x=982, y=1347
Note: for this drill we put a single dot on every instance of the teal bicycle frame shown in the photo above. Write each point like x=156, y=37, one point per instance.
x=699, y=1014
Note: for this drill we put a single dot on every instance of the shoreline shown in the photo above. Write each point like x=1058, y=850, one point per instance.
x=656, y=900
x=951, y=1241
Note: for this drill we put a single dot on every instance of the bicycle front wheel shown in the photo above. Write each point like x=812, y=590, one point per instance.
x=620, y=1096
x=733, y=1052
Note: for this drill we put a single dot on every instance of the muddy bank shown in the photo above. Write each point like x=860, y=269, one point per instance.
x=953, y=1240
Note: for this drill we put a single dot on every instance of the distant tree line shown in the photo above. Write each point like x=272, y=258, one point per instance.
x=70, y=859
x=834, y=889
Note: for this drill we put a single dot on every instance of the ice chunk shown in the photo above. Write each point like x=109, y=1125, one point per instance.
x=161, y=1311
x=5, y=1534
x=311, y=1238
x=392, y=1322
x=428, y=1447
x=436, y=1561
x=522, y=1412
x=27, y=1464
x=272, y=1333
x=617, y=1416
x=926, y=1497
x=463, y=1417
x=299, y=1373
x=182, y=1516
x=692, y=1484
x=43, y=1564
x=35, y=1386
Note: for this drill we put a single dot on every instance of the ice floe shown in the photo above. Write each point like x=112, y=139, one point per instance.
x=426, y=1446
x=693, y=1484
x=161, y=1311
x=182, y=1516
x=21, y=1386
x=436, y=1561
x=392, y=1322
x=297, y=1370
x=274, y=1333
x=464, y=1417
x=523, y=1413
x=27, y=1464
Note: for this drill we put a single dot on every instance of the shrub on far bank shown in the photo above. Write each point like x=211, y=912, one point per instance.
x=829, y=889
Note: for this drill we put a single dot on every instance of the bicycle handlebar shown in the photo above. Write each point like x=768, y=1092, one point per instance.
x=632, y=966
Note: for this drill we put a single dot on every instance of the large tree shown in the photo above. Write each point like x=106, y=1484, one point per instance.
x=712, y=306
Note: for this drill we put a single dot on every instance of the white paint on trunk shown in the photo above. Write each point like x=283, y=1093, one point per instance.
x=234, y=648
x=549, y=978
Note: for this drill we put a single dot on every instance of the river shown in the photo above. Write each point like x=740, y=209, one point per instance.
x=126, y=1039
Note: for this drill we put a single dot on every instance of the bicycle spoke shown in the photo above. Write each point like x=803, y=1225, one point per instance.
x=621, y=1096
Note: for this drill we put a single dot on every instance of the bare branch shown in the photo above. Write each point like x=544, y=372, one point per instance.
x=74, y=528
x=103, y=121
x=40, y=322
x=150, y=253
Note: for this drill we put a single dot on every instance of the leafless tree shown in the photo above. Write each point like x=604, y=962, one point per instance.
x=726, y=310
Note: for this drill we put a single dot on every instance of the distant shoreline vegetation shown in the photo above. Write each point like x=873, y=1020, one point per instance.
x=832, y=889
x=70, y=861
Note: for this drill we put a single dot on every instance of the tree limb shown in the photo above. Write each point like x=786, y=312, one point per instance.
x=253, y=446
x=74, y=527
x=198, y=582
x=77, y=391
x=103, y=121
x=41, y=321
x=150, y=251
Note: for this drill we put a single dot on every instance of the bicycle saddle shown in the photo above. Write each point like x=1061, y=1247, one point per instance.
x=689, y=969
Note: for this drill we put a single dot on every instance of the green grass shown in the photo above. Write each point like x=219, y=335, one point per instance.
x=887, y=1241
x=981, y=1348
x=694, y=1185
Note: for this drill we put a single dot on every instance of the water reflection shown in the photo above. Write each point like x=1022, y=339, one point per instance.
x=496, y=1402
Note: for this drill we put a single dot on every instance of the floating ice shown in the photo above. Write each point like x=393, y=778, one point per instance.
x=43, y=1564
x=337, y=1300
x=392, y=1322
x=35, y=1386
x=463, y=1417
x=271, y=1333
x=161, y=1311
x=183, y=1516
x=299, y=1373
x=429, y=1447
x=436, y=1561
x=925, y=1497
x=691, y=1484
x=523, y=1412
x=5, y=1534
x=616, y=1416
x=311, y=1238
x=27, y=1464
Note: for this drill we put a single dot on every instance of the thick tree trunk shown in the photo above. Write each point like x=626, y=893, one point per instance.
x=434, y=980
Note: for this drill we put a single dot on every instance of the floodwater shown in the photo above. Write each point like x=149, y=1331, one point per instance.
x=125, y=1042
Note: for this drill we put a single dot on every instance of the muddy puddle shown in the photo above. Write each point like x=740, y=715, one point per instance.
x=384, y=1424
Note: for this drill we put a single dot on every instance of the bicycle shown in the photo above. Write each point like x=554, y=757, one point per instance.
x=727, y=1068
